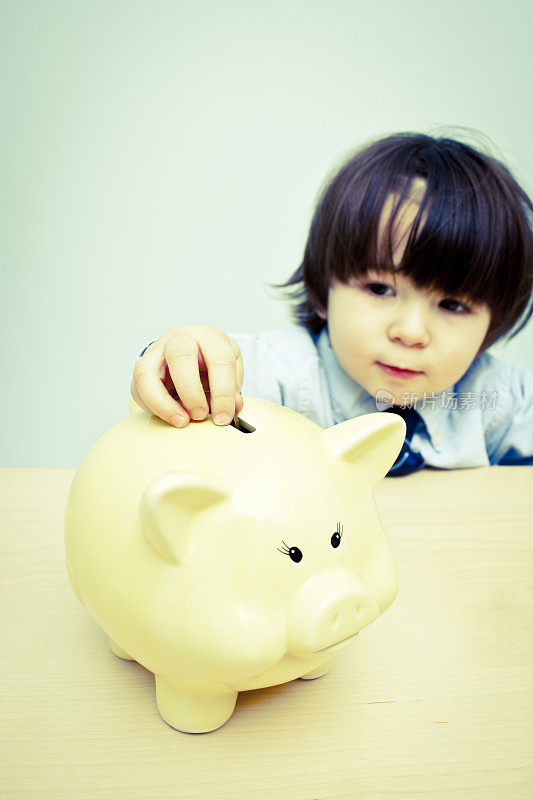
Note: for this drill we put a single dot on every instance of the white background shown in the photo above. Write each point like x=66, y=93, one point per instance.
x=162, y=161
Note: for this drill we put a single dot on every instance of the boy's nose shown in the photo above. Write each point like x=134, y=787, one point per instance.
x=409, y=326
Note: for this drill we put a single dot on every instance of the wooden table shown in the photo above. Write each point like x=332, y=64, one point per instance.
x=434, y=700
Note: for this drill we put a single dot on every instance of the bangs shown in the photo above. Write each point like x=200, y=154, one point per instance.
x=455, y=243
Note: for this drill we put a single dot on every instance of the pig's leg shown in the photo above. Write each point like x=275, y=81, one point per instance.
x=119, y=651
x=194, y=706
x=318, y=671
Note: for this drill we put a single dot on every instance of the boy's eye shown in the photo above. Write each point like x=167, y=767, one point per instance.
x=454, y=305
x=377, y=288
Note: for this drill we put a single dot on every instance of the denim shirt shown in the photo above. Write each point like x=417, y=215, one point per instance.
x=485, y=418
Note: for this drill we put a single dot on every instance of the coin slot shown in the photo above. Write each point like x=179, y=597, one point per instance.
x=241, y=425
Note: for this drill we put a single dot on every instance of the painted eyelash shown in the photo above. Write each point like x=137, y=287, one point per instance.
x=287, y=551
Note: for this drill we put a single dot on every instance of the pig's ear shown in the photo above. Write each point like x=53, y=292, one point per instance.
x=169, y=505
x=371, y=442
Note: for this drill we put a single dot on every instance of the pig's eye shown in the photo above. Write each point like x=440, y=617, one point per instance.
x=337, y=536
x=294, y=552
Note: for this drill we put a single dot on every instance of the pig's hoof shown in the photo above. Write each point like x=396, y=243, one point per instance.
x=193, y=711
x=318, y=672
x=119, y=651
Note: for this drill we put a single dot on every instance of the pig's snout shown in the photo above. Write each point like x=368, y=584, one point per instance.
x=329, y=608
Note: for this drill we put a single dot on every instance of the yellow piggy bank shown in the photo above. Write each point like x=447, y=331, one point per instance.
x=231, y=558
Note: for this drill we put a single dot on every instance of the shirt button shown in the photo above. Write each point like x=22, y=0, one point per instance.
x=437, y=438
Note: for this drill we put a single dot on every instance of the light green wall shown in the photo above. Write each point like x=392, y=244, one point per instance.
x=161, y=161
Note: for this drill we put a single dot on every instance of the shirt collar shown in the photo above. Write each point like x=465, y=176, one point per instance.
x=349, y=399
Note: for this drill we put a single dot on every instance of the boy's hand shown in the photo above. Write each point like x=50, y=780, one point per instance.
x=176, y=372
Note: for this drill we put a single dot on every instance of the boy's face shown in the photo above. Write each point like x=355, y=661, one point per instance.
x=390, y=336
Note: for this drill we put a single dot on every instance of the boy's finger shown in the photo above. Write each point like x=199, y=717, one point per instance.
x=138, y=399
x=239, y=377
x=220, y=356
x=239, y=369
x=151, y=392
x=181, y=353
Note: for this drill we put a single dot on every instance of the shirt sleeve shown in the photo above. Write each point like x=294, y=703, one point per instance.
x=265, y=373
x=512, y=442
x=143, y=351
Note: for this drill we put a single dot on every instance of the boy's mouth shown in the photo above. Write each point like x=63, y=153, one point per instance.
x=396, y=372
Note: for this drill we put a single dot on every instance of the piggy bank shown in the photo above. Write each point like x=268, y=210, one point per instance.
x=231, y=558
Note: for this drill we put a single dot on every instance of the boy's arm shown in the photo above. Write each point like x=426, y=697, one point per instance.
x=277, y=366
x=283, y=367
x=512, y=442
x=261, y=377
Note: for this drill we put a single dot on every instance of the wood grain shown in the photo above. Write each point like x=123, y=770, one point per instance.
x=434, y=700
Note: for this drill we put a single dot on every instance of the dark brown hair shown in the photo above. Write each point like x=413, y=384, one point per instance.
x=471, y=238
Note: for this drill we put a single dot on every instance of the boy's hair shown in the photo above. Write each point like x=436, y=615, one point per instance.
x=471, y=238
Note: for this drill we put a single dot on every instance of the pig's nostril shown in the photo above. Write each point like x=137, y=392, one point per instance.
x=335, y=621
x=359, y=610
